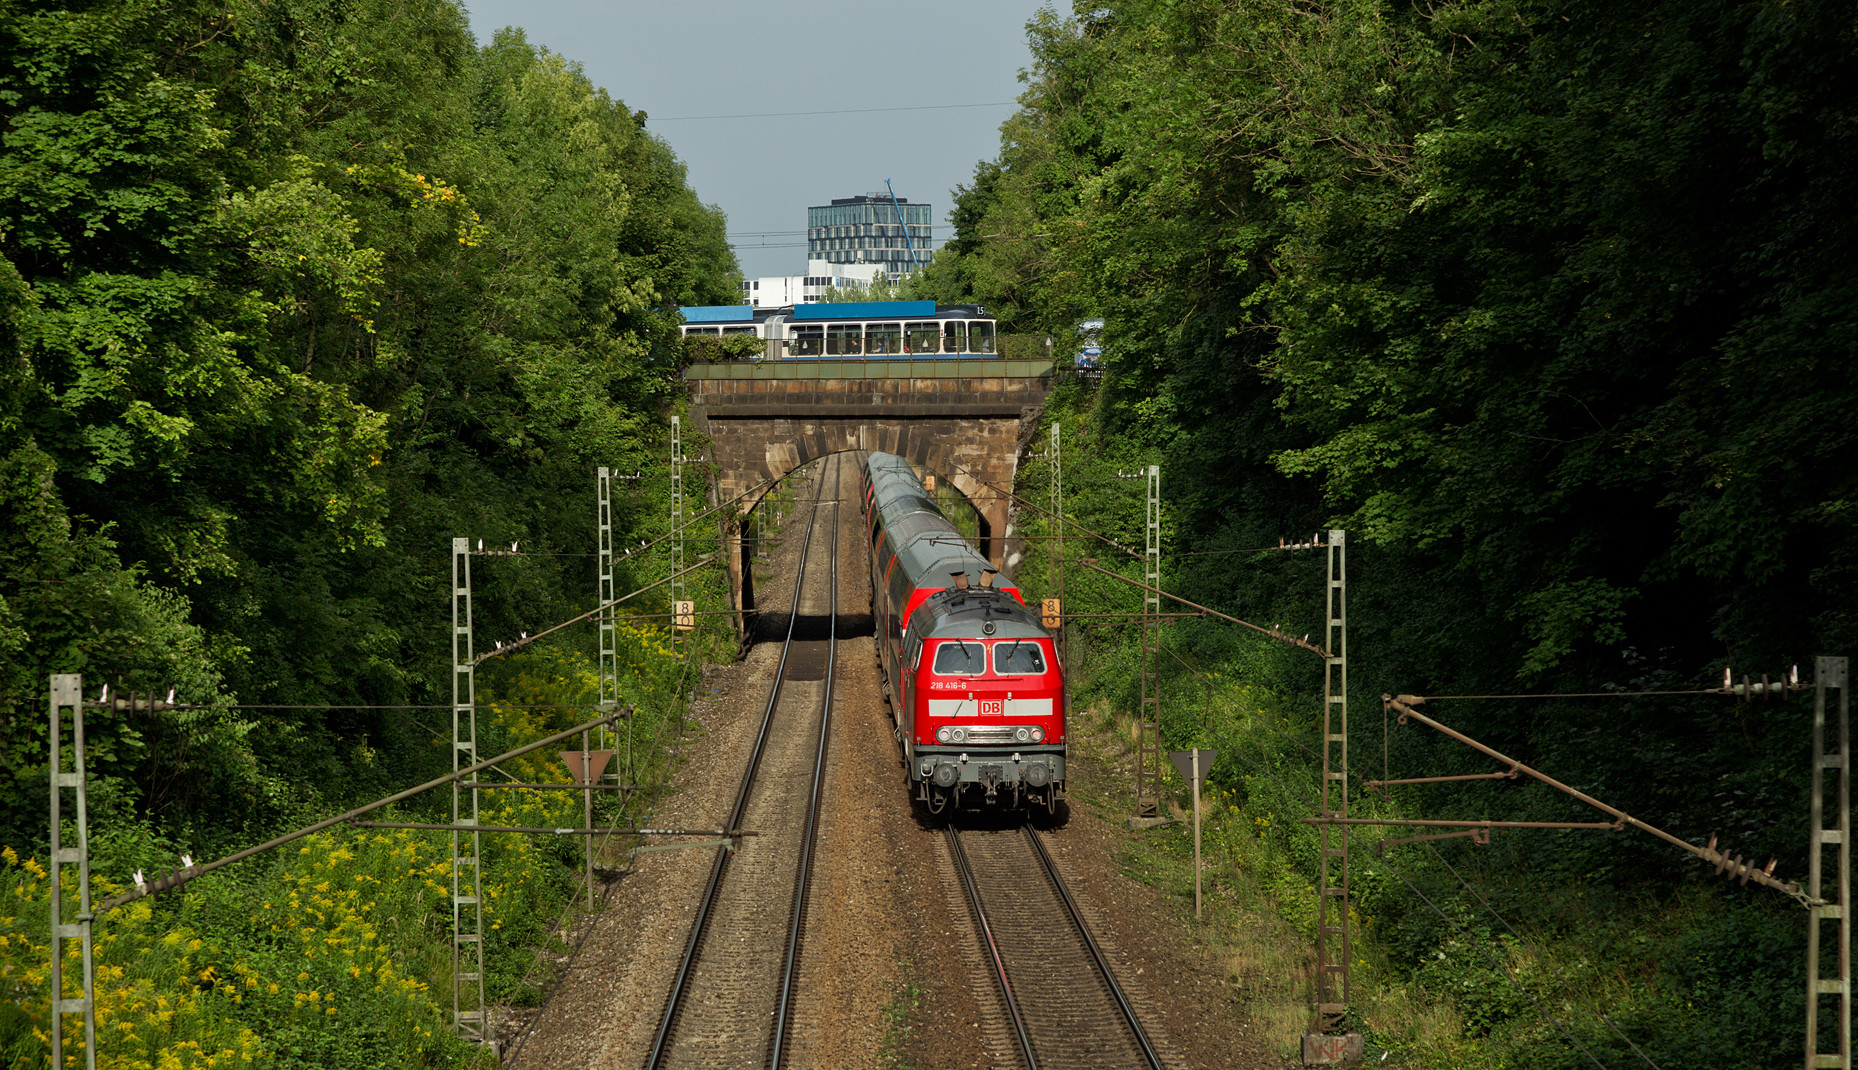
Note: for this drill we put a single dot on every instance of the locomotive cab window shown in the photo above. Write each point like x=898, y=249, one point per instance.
x=1019, y=658
x=960, y=659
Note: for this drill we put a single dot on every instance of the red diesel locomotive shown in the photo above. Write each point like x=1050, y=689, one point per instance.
x=972, y=677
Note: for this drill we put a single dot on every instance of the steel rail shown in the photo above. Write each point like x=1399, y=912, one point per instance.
x=675, y=1002
x=993, y=948
x=804, y=875
x=1096, y=953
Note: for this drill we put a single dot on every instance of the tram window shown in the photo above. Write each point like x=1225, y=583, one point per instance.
x=843, y=340
x=883, y=339
x=738, y=330
x=920, y=338
x=711, y=331
x=960, y=659
x=954, y=337
x=981, y=335
x=806, y=342
x=1021, y=658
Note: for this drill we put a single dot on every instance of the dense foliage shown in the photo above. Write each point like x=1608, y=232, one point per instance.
x=1551, y=304
x=291, y=293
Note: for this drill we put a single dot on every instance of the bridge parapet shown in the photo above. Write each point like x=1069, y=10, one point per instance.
x=948, y=388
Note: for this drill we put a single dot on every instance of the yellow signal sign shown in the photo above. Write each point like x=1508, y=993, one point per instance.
x=684, y=616
x=1049, y=613
x=929, y=484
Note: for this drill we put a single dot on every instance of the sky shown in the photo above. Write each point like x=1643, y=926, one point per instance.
x=676, y=59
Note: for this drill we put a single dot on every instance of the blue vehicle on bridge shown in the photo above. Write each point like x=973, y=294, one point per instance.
x=867, y=330
x=1089, y=358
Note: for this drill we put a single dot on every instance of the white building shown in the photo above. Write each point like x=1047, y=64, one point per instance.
x=777, y=291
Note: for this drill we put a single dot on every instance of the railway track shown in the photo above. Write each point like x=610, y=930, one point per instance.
x=1055, y=985
x=731, y=1004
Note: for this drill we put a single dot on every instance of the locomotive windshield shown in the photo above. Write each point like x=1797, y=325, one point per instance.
x=1018, y=658
x=960, y=659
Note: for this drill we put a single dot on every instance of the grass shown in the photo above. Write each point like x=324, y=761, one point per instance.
x=1506, y=961
x=900, y=1018
x=335, y=951
x=1252, y=896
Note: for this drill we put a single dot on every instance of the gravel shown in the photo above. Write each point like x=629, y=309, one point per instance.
x=885, y=920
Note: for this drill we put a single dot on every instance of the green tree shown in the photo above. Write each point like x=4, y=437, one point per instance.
x=290, y=294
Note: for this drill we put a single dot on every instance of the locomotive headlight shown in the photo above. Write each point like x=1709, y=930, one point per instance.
x=957, y=735
x=1038, y=734
x=943, y=734
x=1022, y=734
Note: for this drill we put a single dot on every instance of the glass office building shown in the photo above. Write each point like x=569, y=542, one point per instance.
x=866, y=230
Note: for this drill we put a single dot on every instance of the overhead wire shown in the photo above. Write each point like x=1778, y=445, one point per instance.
x=1566, y=983
x=1576, y=694
x=1012, y=495
x=1350, y=832
x=836, y=111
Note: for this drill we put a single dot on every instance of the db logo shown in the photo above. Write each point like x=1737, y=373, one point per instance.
x=992, y=707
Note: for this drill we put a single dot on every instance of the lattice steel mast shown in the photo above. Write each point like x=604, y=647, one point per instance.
x=1332, y=935
x=676, y=587
x=1057, y=558
x=1148, y=721
x=1830, y=673
x=467, y=870
x=68, y=693
x=609, y=643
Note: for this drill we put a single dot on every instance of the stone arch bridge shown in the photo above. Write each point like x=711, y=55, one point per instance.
x=965, y=420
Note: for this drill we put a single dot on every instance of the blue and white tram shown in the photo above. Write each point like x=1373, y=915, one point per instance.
x=869, y=330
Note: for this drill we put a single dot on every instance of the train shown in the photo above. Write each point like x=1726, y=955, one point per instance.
x=853, y=330
x=972, y=677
